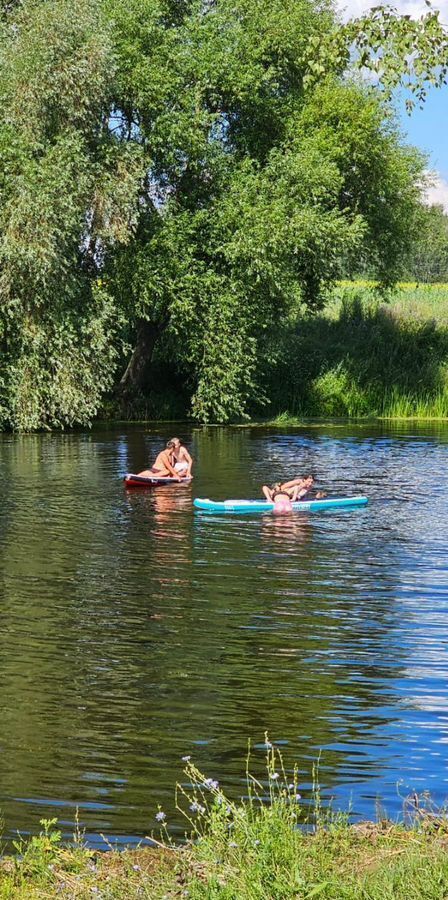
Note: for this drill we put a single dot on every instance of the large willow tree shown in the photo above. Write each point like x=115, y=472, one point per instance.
x=178, y=178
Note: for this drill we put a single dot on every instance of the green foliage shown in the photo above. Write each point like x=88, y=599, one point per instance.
x=365, y=359
x=428, y=256
x=62, y=196
x=212, y=166
x=262, y=187
x=396, y=50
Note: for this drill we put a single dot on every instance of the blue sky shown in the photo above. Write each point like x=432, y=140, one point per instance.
x=426, y=128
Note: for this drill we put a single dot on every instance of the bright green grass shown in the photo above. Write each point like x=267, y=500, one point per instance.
x=406, y=301
x=364, y=356
x=246, y=850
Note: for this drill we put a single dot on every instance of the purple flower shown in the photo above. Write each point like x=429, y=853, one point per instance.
x=211, y=784
x=197, y=808
x=160, y=816
x=274, y=775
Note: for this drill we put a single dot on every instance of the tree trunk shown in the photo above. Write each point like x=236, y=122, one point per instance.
x=133, y=378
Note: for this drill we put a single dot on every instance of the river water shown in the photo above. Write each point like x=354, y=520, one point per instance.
x=134, y=631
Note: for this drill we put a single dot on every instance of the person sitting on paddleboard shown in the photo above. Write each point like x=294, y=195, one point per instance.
x=163, y=466
x=180, y=458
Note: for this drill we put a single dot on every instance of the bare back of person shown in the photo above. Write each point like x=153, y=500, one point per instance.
x=163, y=467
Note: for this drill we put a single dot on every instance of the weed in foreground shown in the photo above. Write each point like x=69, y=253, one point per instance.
x=264, y=846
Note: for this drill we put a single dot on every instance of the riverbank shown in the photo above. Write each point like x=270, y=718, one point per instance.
x=263, y=857
x=365, y=356
x=266, y=846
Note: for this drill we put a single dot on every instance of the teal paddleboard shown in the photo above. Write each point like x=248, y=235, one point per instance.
x=260, y=506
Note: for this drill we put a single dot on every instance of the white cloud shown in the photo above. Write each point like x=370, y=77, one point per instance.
x=437, y=192
x=353, y=8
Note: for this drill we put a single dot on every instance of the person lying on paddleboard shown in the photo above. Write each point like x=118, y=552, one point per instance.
x=303, y=485
x=163, y=466
x=180, y=458
x=297, y=489
x=280, y=497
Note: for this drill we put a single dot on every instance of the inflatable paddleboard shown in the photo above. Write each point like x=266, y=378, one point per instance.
x=260, y=506
x=142, y=481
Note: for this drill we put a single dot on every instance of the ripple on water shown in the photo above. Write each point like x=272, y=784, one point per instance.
x=134, y=632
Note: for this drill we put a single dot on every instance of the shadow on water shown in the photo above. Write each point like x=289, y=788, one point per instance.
x=134, y=631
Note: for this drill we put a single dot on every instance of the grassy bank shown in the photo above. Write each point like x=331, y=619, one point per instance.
x=250, y=850
x=365, y=357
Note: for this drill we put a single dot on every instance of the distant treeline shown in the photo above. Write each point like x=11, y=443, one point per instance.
x=427, y=258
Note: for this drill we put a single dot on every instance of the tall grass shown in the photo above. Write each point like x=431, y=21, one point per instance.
x=262, y=847
x=364, y=357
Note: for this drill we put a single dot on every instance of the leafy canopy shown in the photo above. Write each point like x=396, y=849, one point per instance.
x=178, y=178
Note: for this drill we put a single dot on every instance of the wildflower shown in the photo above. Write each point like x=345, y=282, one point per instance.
x=291, y=787
x=197, y=808
x=256, y=843
x=211, y=784
x=298, y=797
x=136, y=868
x=274, y=775
x=160, y=816
x=186, y=758
x=233, y=844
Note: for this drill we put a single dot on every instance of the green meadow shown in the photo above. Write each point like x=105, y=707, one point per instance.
x=365, y=355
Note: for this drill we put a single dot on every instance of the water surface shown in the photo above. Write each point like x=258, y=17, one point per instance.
x=134, y=631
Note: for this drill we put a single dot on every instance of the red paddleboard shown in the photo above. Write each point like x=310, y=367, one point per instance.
x=143, y=481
